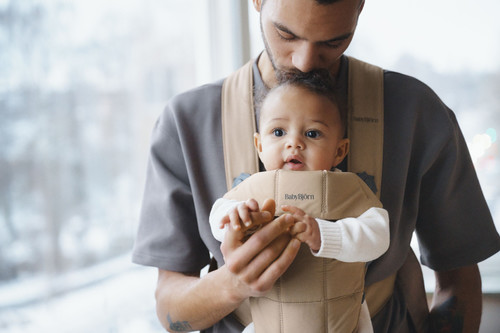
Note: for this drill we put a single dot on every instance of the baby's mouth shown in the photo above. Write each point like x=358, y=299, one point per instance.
x=294, y=163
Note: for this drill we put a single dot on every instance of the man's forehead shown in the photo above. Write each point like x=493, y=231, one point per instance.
x=309, y=20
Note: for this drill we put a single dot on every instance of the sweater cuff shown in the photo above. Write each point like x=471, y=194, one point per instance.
x=331, y=239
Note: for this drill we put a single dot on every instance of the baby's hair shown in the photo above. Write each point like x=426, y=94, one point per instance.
x=320, y=83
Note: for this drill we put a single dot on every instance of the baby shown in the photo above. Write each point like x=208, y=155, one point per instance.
x=303, y=129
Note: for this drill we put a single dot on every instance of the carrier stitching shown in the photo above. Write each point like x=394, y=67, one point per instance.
x=278, y=204
x=325, y=293
x=281, y=307
x=323, y=197
x=276, y=188
x=313, y=302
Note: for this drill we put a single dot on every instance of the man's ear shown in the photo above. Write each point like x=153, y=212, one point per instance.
x=361, y=5
x=257, y=4
x=341, y=151
x=257, y=143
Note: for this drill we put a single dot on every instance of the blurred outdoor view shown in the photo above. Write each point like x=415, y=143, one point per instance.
x=81, y=84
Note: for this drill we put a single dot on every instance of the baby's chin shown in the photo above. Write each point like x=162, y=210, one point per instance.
x=295, y=167
x=303, y=167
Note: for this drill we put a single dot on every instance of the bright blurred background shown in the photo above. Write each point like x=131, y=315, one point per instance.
x=81, y=84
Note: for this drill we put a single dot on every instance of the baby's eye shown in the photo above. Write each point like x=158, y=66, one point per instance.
x=313, y=134
x=278, y=132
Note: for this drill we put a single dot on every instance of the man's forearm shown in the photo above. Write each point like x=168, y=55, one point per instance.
x=457, y=302
x=187, y=303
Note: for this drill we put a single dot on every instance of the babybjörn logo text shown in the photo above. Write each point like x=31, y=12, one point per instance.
x=299, y=196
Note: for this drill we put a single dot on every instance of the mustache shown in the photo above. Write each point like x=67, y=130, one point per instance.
x=317, y=78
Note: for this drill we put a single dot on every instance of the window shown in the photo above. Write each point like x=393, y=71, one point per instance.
x=81, y=85
x=466, y=76
x=454, y=47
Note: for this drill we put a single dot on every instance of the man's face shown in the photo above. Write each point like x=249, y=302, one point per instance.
x=301, y=35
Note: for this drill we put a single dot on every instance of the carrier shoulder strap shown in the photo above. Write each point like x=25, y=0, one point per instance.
x=238, y=124
x=365, y=121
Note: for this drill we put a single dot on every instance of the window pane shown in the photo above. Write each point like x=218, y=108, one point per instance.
x=454, y=47
x=81, y=84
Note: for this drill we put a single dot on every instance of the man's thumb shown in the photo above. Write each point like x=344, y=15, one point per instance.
x=269, y=205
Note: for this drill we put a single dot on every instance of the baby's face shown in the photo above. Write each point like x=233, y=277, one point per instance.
x=299, y=130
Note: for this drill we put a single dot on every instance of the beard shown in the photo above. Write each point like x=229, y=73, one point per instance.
x=319, y=77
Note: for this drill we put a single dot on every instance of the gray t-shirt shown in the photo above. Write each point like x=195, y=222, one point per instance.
x=428, y=184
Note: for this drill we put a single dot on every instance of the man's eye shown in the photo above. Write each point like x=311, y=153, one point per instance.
x=334, y=45
x=312, y=134
x=285, y=35
x=278, y=132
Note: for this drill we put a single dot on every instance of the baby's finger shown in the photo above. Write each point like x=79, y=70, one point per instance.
x=244, y=215
x=225, y=220
x=252, y=205
x=235, y=219
x=292, y=209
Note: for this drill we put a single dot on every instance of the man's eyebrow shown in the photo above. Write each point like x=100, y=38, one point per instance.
x=339, y=38
x=283, y=28
x=335, y=39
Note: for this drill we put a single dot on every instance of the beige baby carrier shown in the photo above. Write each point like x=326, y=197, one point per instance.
x=365, y=131
x=326, y=292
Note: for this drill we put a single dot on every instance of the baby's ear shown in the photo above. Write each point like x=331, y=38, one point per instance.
x=341, y=151
x=257, y=143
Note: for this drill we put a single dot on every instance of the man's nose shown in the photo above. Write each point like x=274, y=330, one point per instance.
x=306, y=57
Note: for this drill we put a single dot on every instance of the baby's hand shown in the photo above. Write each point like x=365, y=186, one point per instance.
x=247, y=215
x=305, y=229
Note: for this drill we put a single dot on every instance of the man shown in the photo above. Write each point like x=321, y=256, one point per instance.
x=428, y=184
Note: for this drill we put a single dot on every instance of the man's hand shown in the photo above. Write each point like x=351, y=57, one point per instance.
x=457, y=301
x=256, y=263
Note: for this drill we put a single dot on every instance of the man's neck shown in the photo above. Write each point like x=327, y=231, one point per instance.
x=266, y=70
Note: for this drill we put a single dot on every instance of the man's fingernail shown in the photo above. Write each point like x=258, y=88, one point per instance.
x=248, y=223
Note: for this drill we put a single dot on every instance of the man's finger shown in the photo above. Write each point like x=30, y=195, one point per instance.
x=280, y=265
x=269, y=205
x=259, y=218
x=297, y=228
x=242, y=253
x=269, y=232
x=266, y=257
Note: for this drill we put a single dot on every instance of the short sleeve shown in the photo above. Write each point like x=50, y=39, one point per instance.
x=454, y=224
x=168, y=235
